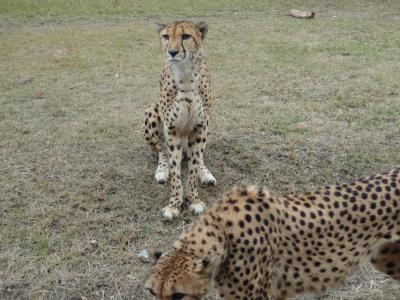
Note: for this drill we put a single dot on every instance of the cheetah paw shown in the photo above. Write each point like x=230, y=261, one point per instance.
x=197, y=207
x=162, y=174
x=170, y=212
x=206, y=178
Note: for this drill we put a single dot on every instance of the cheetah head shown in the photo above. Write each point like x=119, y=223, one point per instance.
x=181, y=41
x=179, y=276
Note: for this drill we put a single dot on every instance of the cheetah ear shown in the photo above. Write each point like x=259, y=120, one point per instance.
x=160, y=27
x=205, y=262
x=154, y=256
x=203, y=28
x=207, y=265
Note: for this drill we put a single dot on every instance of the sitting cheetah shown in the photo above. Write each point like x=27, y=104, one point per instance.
x=253, y=244
x=181, y=118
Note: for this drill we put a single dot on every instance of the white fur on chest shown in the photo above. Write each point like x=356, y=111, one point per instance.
x=183, y=73
x=188, y=105
x=189, y=114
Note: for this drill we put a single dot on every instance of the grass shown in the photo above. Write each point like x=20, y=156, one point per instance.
x=297, y=104
x=56, y=9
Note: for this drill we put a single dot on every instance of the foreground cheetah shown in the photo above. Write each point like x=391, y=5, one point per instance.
x=254, y=245
x=181, y=118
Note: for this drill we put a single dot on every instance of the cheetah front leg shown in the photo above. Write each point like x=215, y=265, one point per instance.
x=174, y=149
x=194, y=156
x=205, y=176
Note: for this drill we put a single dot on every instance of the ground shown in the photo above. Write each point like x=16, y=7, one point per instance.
x=297, y=104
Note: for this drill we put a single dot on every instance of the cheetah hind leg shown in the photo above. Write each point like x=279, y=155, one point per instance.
x=151, y=131
x=162, y=171
x=205, y=176
x=387, y=259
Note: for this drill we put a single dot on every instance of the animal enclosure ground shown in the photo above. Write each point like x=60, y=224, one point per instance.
x=297, y=104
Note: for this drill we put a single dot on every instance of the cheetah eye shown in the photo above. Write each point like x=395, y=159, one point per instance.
x=185, y=36
x=165, y=36
x=177, y=296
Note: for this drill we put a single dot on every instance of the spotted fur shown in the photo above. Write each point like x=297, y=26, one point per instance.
x=258, y=245
x=180, y=120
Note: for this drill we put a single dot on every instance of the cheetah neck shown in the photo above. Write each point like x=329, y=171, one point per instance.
x=205, y=239
x=186, y=74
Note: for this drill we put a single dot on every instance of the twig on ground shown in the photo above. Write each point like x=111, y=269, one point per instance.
x=302, y=14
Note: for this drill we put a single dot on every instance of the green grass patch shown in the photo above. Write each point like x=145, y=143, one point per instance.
x=297, y=104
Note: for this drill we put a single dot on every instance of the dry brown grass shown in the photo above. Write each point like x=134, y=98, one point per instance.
x=298, y=104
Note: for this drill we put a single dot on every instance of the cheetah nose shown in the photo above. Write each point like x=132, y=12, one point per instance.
x=173, y=52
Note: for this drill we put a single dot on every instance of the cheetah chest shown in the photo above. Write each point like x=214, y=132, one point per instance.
x=187, y=113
